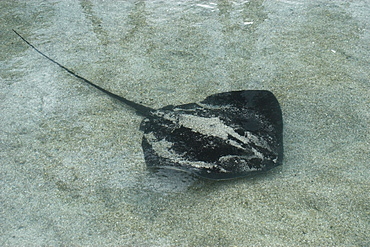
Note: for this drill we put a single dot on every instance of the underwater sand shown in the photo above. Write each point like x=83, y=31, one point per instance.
x=72, y=168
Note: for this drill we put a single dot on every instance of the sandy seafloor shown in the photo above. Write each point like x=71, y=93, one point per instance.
x=72, y=168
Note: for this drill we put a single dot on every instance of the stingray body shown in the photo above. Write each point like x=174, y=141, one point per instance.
x=227, y=135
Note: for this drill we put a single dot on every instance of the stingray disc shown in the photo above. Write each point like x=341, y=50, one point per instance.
x=227, y=135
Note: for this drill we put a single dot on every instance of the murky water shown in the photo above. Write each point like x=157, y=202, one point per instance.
x=72, y=168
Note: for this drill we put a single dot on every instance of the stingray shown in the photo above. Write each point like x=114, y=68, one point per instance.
x=226, y=135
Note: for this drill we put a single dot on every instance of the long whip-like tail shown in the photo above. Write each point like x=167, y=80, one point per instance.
x=140, y=109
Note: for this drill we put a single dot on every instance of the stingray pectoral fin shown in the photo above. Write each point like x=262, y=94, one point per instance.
x=259, y=111
x=262, y=102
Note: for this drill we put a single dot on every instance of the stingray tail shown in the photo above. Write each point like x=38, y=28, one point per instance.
x=140, y=109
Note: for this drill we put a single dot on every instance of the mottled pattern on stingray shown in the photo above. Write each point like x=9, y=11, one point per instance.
x=227, y=135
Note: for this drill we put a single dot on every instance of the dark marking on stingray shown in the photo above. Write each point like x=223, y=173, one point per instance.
x=225, y=136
